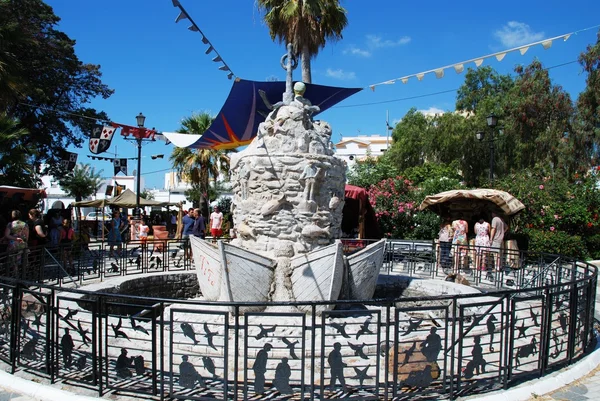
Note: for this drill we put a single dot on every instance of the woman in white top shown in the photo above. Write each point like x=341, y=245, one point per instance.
x=482, y=242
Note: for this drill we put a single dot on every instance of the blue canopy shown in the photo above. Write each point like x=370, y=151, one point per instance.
x=237, y=122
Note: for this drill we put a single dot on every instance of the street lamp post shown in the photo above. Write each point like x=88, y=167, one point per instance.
x=140, y=118
x=492, y=122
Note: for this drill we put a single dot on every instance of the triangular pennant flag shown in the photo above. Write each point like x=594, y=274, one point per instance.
x=420, y=76
x=217, y=59
x=210, y=49
x=567, y=36
x=193, y=28
x=176, y=3
x=523, y=50
x=180, y=17
x=390, y=82
x=404, y=80
x=224, y=68
x=459, y=68
x=372, y=88
x=500, y=56
x=439, y=73
x=547, y=44
x=230, y=75
x=204, y=40
x=478, y=62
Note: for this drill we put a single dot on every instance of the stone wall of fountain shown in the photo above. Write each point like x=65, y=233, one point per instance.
x=288, y=187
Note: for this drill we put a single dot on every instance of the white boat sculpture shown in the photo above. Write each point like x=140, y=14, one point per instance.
x=317, y=276
x=362, y=270
x=232, y=274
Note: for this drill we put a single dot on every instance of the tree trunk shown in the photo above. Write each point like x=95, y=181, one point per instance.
x=306, y=72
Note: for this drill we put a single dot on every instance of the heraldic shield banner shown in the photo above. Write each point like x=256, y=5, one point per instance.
x=100, y=138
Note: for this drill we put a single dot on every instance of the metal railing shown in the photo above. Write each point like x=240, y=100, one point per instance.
x=430, y=347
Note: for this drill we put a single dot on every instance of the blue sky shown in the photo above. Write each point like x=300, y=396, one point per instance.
x=159, y=68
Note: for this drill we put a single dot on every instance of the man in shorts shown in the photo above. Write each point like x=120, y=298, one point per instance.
x=216, y=223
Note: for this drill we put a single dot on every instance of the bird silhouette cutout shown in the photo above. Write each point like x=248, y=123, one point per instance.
x=174, y=253
x=341, y=329
x=291, y=346
x=557, y=343
x=134, y=250
x=491, y=327
x=209, y=365
x=562, y=319
x=408, y=353
x=358, y=350
x=364, y=328
x=137, y=327
x=130, y=262
x=113, y=267
x=361, y=374
x=70, y=314
x=38, y=321
x=522, y=329
x=83, y=333
x=264, y=331
x=534, y=316
x=188, y=331
x=209, y=336
x=117, y=330
x=413, y=324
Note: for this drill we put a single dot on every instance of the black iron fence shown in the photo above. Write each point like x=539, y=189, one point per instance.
x=523, y=315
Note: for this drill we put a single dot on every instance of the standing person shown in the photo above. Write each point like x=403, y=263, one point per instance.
x=445, y=240
x=499, y=229
x=67, y=345
x=67, y=234
x=337, y=367
x=55, y=226
x=37, y=232
x=199, y=229
x=459, y=241
x=188, y=222
x=143, y=233
x=216, y=223
x=173, y=221
x=17, y=234
x=482, y=242
x=114, y=235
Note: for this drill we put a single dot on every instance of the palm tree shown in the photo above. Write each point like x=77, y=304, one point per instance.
x=306, y=24
x=198, y=166
x=82, y=182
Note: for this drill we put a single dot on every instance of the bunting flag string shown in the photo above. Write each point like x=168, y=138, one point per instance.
x=478, y=61
x=194, y=28
x=136, y=132
x=110, y=159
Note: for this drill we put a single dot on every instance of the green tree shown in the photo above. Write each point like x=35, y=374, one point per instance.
x=15, y=158
x=588, y=103
x=45, y=76
x=370, y=171
x=147, y=195
x=198, y=166
x=306, y=24
x=483, y=90
x=80, y=183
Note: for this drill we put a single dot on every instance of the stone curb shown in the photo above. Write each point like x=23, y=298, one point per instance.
x=38, y=391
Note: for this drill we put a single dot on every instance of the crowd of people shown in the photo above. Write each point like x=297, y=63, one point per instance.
x=487, y=242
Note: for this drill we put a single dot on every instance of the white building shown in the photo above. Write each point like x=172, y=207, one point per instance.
x=354, y=148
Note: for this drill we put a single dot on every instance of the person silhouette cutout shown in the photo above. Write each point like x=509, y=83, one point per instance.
x=123, y=364
x=260, y=368
x=337, y=367
x=188, y=376
x=477, y=354
x=67, y=345
x=282, y=377
x=432, y=345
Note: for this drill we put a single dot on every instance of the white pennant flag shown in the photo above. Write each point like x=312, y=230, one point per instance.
x=420, y=76
x=439, y=73
x=500, y=56
x=567, y=36
x=478, y=62
x=459, y=68
x=404, y=80
x=523, y=50
x=547, y=44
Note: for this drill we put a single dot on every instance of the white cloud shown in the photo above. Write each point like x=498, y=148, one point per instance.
x=376, y=42
x=355, y=51
x=341, y=74
x=515, y=34
x=432, y=111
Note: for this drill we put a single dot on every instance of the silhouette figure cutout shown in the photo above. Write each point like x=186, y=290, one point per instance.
x=361, y=375
x=209, y=365
x=123, y=364
x=67, y=345
x=337, y=367
x=282, y=377
x=188, y=376
x=260, y=368
x=341, y=329
x=291, y=346
x=491, y=327
x=432, y=345
x=188, y=331
x=29, y=350
x=477, y=364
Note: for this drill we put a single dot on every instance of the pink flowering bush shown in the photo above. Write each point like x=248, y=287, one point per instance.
x=394, y=207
